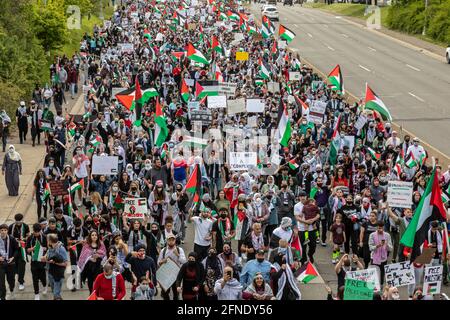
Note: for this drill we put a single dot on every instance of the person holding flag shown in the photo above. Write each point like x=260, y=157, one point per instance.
x=36, y=246
x=20, y=231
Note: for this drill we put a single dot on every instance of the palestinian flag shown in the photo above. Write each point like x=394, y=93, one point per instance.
x=251, y=30
x=259, y=82
x=69, y=206
x=161, y=130
x=96, y=141
x=284, y=129
x=293, y=164
x=138, y=103
x=308, y=274
x=196, y=142
x=47, y=192
x=288, y=88
x=77, y=186
x=71, y=129
x=127, y=99
x=217, y=74
x=243, y=16
x=195, y=55
x=301, y=104
x=185, y=91
x=194, y=183
x=286, y=34
x=373, y=102
x=233, y=15
x=411, y=162
x=274, y=49
x=375, y=156
x=23, y=251
x=177, y=54
x=297, y=64
x=296, y=247
x=86, y=116
x=216, y=46
x=203, y=91
x=430, y=208
x=265, y=32
x=313, y=192
x=38, y=252
x=336, y=80
x=335, y=142
x=93, y=296
x=422, y=159
x=222, y=16
x=147, y=35
x=264, y=70
x=268, y=24
x=118, y=202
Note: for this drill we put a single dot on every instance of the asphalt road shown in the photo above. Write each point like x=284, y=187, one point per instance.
x=414, y=86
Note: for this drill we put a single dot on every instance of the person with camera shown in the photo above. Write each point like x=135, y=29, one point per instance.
x=380, y=245
x=57, y=260
x=9, y=253
x=109, y=285
x=344, y=265
x=228, y=288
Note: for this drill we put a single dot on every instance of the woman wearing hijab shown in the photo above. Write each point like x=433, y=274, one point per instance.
x=213, y=272
x=190, y=278
x=270, y=185
x=258, y=289
x=90, y=259
x=12, y=166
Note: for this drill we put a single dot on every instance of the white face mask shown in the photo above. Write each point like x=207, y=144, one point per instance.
x=144, y=287
x=395, y=296
x=148, y=166
x=11, y=151
x=115, y=189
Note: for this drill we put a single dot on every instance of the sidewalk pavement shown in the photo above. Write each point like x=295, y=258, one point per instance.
x=32, y=160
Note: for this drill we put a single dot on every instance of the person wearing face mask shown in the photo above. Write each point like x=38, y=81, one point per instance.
x=22, y=121
x=11, y=169
x=34, y=119
x=158, y=202
x=144, y=176
x=282, y=276
x=213, y=272
x=223, y=230
x=146, y=290
x=109, y=285
x=402, y=223
x=417, y=151
x=287, y=202
x=260, y=264
x=344, y=265
x=190, y=278
x=254, y=241
x=81, y=163
x=51, y=171
x=203, y=232
x=141, y=266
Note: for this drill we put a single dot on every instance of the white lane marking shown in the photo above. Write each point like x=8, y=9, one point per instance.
x=295, y=25
x=344, y=35
x=310, y=35
x=372, y=49
x=325, y=26
x=418, y=98
x=338, y=17
x=330, y=48
x=362, y=67
x=414, y=68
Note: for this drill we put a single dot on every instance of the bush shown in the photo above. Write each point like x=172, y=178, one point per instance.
x=439, y=23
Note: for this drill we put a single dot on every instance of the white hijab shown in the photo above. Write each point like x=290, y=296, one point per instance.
x=13, y=154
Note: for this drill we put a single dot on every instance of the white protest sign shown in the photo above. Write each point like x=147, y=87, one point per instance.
x=236, y=106
x=159, y=37
x=276, y=159
x=367, y=275
x=242, y=161
x=136, y=20
x=134, y=14
x=399, y=274
x=252, y=122
x=228, y=88
x=255, y=105
x=202, y=19
x=135, y=208
x=124, y=22
x=362, y=119
x=167, y=274
x=193, y=105
x=295, y=75
x=189, y=82
x=147, y=15
x=399, y=194
x=105, y=165
x=316, y=111
x=126, y=47
x=432, y=280
x=238, y=36
x=215, y=102
x=273, y=87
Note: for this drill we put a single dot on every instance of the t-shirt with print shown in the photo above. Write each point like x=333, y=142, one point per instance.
x=337, y=231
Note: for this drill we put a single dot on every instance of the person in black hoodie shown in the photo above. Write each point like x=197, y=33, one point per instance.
x=38, y=271
x=9, y=253
x=349, y=214
x=190, y=278
x=20, y=231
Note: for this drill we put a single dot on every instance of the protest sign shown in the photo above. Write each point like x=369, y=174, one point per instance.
x=358, y=290
x=399, y=194
x=167, y=274
x=316, y=111
x=193, y=105
x=255, y=105
x=125, y=22
x=189, y=82
x=46, y=125
x=105, y=165
x=432, y=279
x=241, y=161
x=204, y=116
x=126, y=47
x=399, y=274
x=135, y=208
x=369, y=275
x=215, y=102
x=148, y=14
x=362, y=119
x=275, y=159
x=426, y=256
x=241, y=56
x=252, y=122
x=294, y=76
x=57, y=188
x=273, y=87
x=236, y=106
x=159, y=37
x=238, y=36
x=227, y=88
x=106, y=24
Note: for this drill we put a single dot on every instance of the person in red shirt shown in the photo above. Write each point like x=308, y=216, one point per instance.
x=109, y=285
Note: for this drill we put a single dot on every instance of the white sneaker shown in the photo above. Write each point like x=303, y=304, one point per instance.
x=21, y=287
x=333, y=261
x=44, y=292
x=323, y=244
x=37, y=297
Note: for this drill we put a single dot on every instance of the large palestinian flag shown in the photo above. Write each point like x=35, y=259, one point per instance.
x=335, y=142
x=206, y=88
x=216, y=46
x=194, y=185
x=373, y=102
x=126, y=97
x=161, y=130
x=264, y=70
x=284, y=129
x=336, y=80
x=195, y=55
x=286, y=34
x=184, y=91
x=430, y=209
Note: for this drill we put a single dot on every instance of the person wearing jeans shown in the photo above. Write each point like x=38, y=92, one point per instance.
x=57, y=260
x=38, y=271
x=380, y=244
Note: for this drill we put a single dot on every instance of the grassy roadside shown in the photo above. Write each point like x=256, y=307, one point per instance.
x=357, y=11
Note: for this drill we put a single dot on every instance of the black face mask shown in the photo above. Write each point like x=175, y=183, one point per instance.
x=191, y=263
x=260, y=260
x=155, y=232
x=223, y=216
x=227, y=253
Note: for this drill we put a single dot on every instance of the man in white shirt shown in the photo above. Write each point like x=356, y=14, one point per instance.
x=203, y=226
x=416, y=150
x=299, y=206
x=394, y=140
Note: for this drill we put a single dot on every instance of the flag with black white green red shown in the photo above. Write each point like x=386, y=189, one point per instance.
x=195, y=55
x=430, y=208
x=38, y=252
x=23, y=251
x=47, y=192
x=264, y=70
x=76, y=186
x=185, y=91
x=233, y=16
x=127, y=97
x=373, y=102
x=284, y=129
x=71, y=128
x=259, y=82
x=206, y=88
x=147, y=36
x=285, y=33
x=217, y=73
x=307, y=273
x=336, y=80
x=195, y=180
x=222, y=16
x=373, y=154
x=302, y=106
x=216, y=46
x=411, y=161
x=96, y=141
x=293, y=164
x=161, y=129
x=335, y=142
